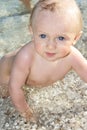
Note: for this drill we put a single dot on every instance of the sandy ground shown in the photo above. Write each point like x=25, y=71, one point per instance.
x=62, y=106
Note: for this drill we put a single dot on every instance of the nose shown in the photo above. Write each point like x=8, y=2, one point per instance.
x=51, y=45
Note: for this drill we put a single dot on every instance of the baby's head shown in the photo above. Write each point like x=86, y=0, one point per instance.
x=56, y=25
x=66, y=9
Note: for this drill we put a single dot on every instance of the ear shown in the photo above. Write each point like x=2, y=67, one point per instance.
x=30, y=29
x=31, y=32
x=78, y=37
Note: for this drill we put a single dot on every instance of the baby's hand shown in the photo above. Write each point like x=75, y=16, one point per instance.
x=28, y=114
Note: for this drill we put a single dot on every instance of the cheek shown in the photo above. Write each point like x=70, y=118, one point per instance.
x=38, y=46
x=65, y=50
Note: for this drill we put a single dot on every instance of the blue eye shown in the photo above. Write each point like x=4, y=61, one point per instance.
x=61, y=38
x=43, y=36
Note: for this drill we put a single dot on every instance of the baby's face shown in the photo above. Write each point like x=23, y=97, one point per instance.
x=53, y=35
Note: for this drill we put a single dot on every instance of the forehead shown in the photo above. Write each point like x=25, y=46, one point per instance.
x=54, y=21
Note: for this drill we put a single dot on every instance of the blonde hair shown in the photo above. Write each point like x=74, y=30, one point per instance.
x=58, y=5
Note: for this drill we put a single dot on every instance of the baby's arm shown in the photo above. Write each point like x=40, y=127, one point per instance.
x=20, y=70
x=79, y=64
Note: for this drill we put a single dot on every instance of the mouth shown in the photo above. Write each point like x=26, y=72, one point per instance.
x=50, y=54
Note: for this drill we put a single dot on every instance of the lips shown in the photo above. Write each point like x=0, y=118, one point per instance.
x=50, y=54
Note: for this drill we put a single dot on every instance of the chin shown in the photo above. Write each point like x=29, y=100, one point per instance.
x=52, y=59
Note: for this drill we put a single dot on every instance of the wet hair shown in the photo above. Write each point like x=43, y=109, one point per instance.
x=59, y=6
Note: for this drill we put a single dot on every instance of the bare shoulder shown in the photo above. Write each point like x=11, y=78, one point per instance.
x=75, y=54
x=76, y=57
x=27, y=50
x=25, y=55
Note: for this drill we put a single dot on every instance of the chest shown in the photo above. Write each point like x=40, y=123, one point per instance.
x=47, y=73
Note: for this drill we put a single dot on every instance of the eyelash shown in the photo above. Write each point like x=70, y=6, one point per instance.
x=61, y=38
x=43, y=36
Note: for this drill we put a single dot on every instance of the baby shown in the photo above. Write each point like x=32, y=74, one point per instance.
x=55, y=26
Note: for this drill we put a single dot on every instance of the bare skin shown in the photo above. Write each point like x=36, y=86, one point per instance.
x=46, y=59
